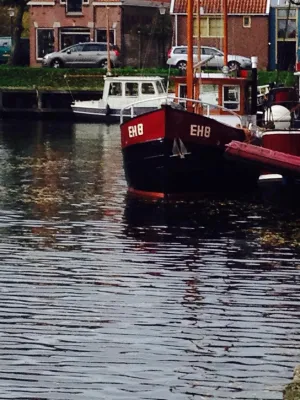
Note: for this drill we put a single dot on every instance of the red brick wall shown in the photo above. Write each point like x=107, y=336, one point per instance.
x=46, y=16
x=241, y=41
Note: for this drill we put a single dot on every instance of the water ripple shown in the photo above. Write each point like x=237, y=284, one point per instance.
x=103, y=297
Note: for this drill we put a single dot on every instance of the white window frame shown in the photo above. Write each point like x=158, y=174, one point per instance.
x=224, y=103
x=36, y=41
x=84, y=2
x=245, y=24
x=65, y=32
x=283, y=18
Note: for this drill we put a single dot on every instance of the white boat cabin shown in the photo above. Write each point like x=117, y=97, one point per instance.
x=123, y=90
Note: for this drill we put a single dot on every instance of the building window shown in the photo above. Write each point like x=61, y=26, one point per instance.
x=247, y=22
x=101, y=36
x=83, y=1
x=70, y=36
x=209, y=27
x=74, y=6
x=286, y=24
x=45, y=42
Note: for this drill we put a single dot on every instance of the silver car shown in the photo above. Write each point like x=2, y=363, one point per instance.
x=89, y=54
x=211, y=56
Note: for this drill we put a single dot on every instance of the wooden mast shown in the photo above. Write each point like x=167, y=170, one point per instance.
x=225, y=19
x=189, y=67
x=197, y=87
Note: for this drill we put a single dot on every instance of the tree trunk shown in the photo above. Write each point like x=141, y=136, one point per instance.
x=17, y=28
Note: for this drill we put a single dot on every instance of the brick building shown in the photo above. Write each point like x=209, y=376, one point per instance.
x=56, y=24
x=248, y=26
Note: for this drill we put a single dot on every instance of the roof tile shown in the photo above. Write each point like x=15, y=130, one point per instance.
x=215, y=6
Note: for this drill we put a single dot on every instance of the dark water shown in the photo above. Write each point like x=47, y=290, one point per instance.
x=103, y=297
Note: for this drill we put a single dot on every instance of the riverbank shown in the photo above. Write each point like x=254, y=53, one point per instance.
x=42, y=92
x=92, y=79
x=42, y=103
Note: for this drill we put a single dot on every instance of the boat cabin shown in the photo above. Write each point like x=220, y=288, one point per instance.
x=122, y=90
x=218, y=93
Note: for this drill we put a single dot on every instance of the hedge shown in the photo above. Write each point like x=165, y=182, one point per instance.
x=86, y=78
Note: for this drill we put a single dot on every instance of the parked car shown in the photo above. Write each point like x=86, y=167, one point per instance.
x=5, y=46
x=177, y=57
x=88, y=54
x=5, y=49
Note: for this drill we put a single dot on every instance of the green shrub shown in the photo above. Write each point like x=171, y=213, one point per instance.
x=92, y=78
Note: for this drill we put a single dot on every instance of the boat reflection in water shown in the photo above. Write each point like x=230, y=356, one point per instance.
x=114, y=297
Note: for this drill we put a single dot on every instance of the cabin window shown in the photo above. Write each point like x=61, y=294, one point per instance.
x=45, y=42
x=209, y=94
x=131, y=89
x=148, y=88
x=115, y=89
x=160, y=87
x=231, y=97
x=246, y=22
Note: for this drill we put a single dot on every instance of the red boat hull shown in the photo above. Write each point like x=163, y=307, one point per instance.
x=174, y=153
x=279, y=179
x=284, y=141
x=265, y=158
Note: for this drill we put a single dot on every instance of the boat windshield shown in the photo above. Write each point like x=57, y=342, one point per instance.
x=160, y=87
x=148, y=88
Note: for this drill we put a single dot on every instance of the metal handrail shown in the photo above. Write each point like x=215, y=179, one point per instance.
x=170, y=99
x=133, y=104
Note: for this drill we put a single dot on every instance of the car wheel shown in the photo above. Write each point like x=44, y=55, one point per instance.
x=56, y=63
x=181, y=65
x=234, y=66
x=103, y=64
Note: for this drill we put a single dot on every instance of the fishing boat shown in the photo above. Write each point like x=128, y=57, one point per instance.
x=279, y=181
x=178, y=149
x=278, y=159
x=146, y=92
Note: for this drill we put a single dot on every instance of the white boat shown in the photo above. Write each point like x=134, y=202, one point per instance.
x=147, y=92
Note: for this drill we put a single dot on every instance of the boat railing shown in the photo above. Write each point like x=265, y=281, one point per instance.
x=167, y=98
x=206, y=106
x=180, y=102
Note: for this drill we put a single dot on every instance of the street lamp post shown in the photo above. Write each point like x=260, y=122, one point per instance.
x=162, y=11
x=140, y=48
x=11, y=13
